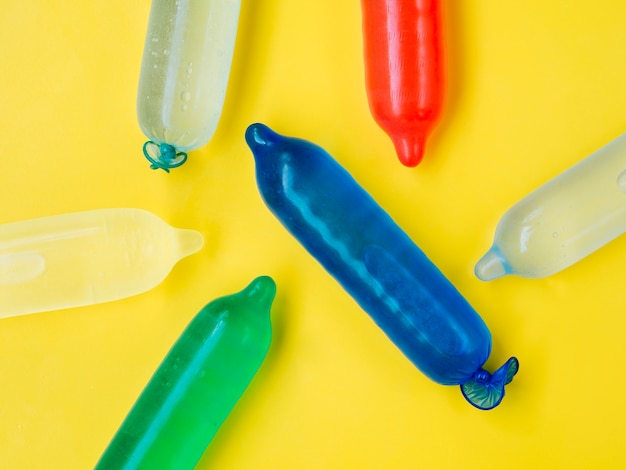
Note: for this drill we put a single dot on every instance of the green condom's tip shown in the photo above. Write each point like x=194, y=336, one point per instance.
x=261, y=290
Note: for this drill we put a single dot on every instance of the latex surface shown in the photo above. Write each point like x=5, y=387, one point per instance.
x=84, y=258
x=373, y=259
x=197, y=384
x=564, y=220
x=184, y=73
x=404, y=70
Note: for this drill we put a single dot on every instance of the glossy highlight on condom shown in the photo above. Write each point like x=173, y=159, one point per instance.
x=198, y=383
x=403, y=42
x=359, y=244
x=185, y=68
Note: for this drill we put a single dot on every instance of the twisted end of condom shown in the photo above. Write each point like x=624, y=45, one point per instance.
x=485, y=391
x=163, y=156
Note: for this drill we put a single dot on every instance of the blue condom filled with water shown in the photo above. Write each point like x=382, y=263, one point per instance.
x=376, y=262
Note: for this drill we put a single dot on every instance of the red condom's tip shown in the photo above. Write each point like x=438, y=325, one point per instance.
x=410, y=148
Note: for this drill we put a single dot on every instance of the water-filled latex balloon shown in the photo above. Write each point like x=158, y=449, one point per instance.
x=359, y=244
x=184, y=75
x=561, y=222
x=197, y=384
x=405, y=70
x=84, y=258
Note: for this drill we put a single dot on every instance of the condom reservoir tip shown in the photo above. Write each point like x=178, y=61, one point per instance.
x=491, y=266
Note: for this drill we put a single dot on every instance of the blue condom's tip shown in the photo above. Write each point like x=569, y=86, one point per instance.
x=259, y=135
x=485, y=391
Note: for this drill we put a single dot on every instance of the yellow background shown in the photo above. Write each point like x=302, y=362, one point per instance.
x=534, y=86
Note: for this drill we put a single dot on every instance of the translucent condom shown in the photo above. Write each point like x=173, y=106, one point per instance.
x=561, y=222
x=376, y=262
x=198, y=383
x=184, y=75
x=84, y=258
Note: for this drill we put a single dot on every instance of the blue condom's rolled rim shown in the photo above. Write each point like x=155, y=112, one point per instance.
x=486, y=391
x=165, y=158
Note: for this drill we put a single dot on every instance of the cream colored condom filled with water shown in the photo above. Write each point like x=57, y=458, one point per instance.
x=186, y=63
x=84, y=258
x=564, y=220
